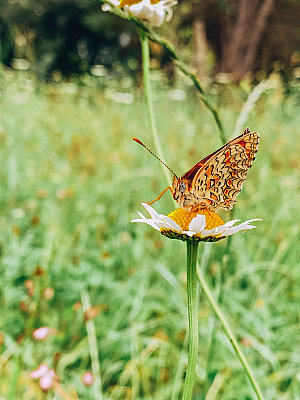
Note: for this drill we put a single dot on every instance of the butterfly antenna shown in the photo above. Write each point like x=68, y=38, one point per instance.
x=151, y=152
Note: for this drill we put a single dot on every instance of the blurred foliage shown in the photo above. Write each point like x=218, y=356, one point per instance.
x=68, y=37
x=71, y=179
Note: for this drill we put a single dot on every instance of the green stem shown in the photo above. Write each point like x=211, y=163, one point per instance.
x=148, y=95
x=230, y=335
x=213, y=341
x=183, y=68
x=94, y=353
x=13, y=384
x=170, y=50
x=192, y=296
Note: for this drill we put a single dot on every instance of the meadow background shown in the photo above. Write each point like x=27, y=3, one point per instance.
x=71, y=180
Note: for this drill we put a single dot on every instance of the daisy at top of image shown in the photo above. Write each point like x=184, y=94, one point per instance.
x=201, y=225
x=153, y=11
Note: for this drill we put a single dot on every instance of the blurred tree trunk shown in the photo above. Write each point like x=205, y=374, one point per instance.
x=241, y=34
x=200, y=47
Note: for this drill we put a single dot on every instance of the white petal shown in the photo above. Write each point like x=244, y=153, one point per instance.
x=189, y=233
x=173, y=225
x=197, y=224
x=221, y=228
x=211, y=232
x=115, y=3
x=236, y=229
x=163, y=221
x=151, y=211
x=164, y=225
x=150, y=222
x=157, y=221
x=141, y=215
x=169, y=14
x=169, y=3
x=105, y=7
x=242, y=227
x=231, y=223
x=153, y=13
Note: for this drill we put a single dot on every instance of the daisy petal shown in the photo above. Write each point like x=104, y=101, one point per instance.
x=236, y=229
x=242, y=227
x=231, y=223
x=154, y=12
x=219, y=229
x=197, y=224
x=141, y=215
x=115, y=3
x=148, y=222
x=173, y=225
x=189, y=233
x=151, y=211
x=211, y=232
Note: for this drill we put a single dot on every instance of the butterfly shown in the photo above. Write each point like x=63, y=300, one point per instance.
x=215, y=181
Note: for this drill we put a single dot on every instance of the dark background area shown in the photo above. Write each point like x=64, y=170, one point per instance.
x=67, y=37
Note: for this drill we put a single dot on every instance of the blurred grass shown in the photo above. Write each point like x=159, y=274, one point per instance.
x=71, y=179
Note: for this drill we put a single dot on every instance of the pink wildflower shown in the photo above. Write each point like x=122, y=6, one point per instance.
x=46, y=376
x=43, y=332
x=87, y=378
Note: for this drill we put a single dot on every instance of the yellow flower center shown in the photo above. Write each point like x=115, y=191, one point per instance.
x=132, y=2
x=184, y=217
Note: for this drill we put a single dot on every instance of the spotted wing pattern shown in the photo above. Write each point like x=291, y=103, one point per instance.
x=220, y=176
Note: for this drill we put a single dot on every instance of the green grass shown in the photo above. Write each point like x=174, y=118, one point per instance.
x=71, y=179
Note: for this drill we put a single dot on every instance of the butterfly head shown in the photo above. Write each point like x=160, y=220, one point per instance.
x=180, y=187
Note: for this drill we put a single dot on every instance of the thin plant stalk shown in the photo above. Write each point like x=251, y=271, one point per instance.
x=59, y=390
x=213, y=341
x=91, y=330
x=148, y=95
x=230, y=335
x=250, y=104
x=170, y=50
x=180, y=370
x=14, y=378
x=192, y=297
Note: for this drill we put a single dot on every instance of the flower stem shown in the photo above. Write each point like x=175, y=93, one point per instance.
x=148, y=94
x=192, y=296
x=230, y=335
x=170, y=50
x=91, y=330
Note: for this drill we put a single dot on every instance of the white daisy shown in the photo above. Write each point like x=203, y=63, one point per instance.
x=203, y=225
x=153, y=11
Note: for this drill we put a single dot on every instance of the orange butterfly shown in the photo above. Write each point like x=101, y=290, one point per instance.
x=215, y=181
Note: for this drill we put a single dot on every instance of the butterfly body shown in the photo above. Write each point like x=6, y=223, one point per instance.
x=215, y=181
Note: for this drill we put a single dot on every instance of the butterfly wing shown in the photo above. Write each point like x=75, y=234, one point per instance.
x=218, y=178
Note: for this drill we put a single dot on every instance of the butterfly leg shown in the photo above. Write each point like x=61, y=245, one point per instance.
x=157, y=198
x=209, y=212
x=202, y=205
